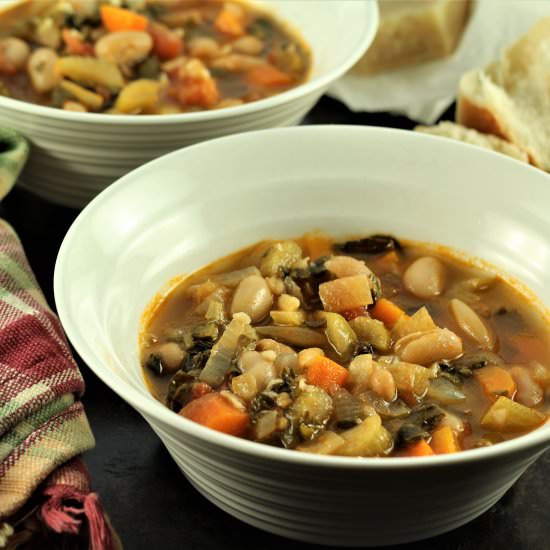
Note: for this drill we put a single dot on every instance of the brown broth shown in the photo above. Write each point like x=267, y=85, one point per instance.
x=519, y=324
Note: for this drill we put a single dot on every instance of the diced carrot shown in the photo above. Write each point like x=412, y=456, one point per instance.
x=444, y=441
x=216, y=412
x=267, y=76
x=418, y=448
x=120, y=19
x=75, y=45
x=200, y=92
x=317, y=245
x=495, y=382
x=166, y=43
x=230, y=22
x=387, y=312
x=325, y=373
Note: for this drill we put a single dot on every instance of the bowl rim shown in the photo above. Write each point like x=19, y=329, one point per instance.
x=150, y=407
x=371, y=18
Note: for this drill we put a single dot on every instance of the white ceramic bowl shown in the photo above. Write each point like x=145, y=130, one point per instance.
x=181, y=212
x=76, y=155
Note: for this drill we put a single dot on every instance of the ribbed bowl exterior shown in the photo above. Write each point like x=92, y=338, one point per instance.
x=72, y=161
x=348, y=507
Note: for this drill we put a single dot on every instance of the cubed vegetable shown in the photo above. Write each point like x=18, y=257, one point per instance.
x=387, y=312
x=216, y=412
x=495, y=382
x=346, y=293
x=507, y=416
x=325, y=373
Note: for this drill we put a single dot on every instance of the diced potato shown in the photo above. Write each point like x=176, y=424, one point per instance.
x=412, y=380
x=369, y=438
x=340, y=335
x=507, y=416
x=421, y=321
x=346, y=293
x=372, y=332
x=326, y=444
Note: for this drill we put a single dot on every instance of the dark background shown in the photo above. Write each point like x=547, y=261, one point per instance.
x=150, y=502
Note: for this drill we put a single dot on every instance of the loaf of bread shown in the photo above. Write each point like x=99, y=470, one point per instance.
x=511, y=97
x=487, y=141
x=414, y=31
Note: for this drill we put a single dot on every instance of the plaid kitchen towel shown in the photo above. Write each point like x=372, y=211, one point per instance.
x=43, y=426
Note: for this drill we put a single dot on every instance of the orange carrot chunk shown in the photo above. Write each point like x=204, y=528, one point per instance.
x=325, y=373
x=120, y=19
x=495, y=382
x=387, y=312
x=166, y=43
x=444, y=441
x=267, y=76
x=418, y=448
x=216, y=412
x=200, y=92
x=230, y=21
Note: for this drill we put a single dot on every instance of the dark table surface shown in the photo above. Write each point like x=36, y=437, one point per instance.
x=151, y=503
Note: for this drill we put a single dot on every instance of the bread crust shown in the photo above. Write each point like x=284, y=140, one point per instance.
x=483, y=120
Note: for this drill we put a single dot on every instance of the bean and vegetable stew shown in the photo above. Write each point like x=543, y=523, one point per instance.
x=372, y=347
x=146, y=56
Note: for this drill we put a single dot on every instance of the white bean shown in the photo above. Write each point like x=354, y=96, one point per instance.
x=252, y=297
x=203, y=47
x=424, y=348
x=529, y=393
x=382, y=382
x=14, y=54
x=125, y=48
x=43, y=71
x=470, y=323
x=248, y=44
x=171, y=356
x=425, y=277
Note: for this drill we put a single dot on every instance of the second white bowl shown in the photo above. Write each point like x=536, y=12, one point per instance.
x=76, y=155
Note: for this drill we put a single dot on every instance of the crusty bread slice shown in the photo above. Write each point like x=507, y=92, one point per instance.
x=511, y=97
x=487, y=141
x=414, y=31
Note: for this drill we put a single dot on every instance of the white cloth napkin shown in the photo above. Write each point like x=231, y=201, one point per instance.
x=424, y=92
